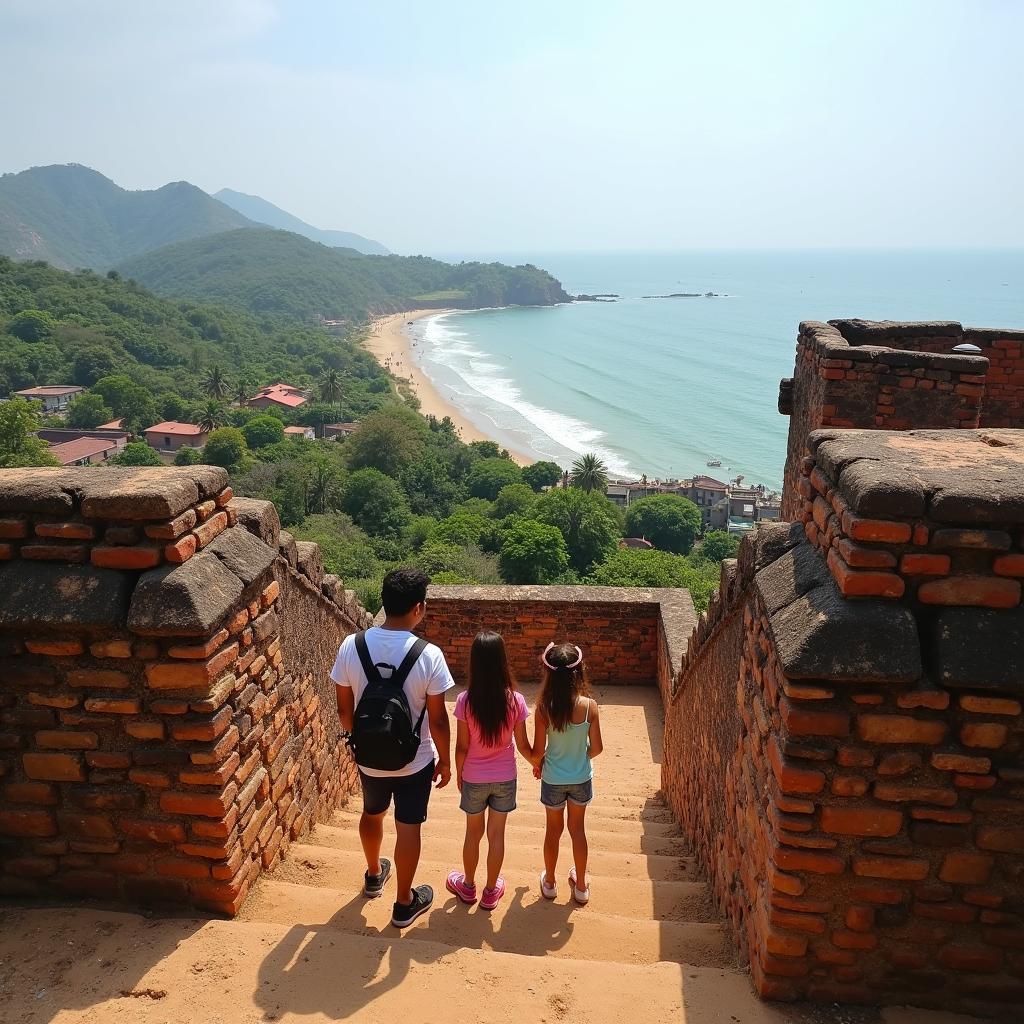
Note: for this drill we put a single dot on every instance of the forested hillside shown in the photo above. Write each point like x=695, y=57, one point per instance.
x=73, y=217
x=61, y=327
x=279, y=273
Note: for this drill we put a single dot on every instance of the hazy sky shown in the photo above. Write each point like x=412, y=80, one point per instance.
x=557, y=125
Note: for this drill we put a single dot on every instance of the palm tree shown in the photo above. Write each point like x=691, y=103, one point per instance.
x=589, y=473
x=330, y=386
x=241, y=391
x=212, y=416
x=215, y=383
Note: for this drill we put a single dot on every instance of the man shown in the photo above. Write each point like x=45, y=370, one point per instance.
x=405, y=599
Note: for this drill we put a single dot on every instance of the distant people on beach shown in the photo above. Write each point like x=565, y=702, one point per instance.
x=390, y=683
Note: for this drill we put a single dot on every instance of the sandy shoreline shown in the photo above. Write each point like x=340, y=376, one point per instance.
x=391, y=346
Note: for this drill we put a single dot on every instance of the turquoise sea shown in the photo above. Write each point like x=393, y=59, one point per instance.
x=661, y=386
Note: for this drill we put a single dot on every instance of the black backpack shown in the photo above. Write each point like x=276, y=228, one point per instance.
x=383, y=736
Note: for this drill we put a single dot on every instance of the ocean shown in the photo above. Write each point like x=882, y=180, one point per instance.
x=663, y=386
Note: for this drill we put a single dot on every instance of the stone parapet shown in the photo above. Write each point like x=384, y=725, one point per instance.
x=167, y=727
x=629, y=635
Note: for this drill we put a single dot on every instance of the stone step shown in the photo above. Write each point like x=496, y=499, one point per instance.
x=532, y=927
x=527, y=859
x=530, y=832
x=626, y=897
x=228, y=971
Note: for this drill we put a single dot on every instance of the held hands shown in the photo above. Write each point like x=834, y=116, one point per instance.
x=538, y=767
x=442, y=774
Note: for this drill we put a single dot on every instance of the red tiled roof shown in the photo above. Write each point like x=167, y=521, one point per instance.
x=296, y=430
x=174, y=427
x=112, y=425
x=709, y=483
x=49, y=391
x=282, y=394
x=81, y=448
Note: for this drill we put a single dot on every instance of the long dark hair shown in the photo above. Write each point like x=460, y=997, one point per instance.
x=562, y=685
x=491, y=685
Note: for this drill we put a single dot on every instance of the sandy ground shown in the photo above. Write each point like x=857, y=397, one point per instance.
x=310, y=948
x=391, y=346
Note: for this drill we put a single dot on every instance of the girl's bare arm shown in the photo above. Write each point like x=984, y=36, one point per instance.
x=461, y=749
x=523, y=741
x=596, y=743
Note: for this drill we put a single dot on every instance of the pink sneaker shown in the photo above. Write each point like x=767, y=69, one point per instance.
x=455, y=883
x=491, y=896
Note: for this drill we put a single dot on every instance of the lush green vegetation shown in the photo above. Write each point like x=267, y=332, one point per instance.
x=281, y=274
x=73, y=216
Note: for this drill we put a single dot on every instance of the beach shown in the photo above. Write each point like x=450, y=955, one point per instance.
x=390, y=344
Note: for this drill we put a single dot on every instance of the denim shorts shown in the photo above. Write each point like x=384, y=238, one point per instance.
x=499, y=796
x=579, y=793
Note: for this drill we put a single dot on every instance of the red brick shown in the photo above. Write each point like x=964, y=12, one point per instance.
x=65, y=531
x=31, y=793
x=854, y=940
x=179, y=867
x=215, y=525
x=114, y=705
x=6, y=552
x=961, y=763
x=880, y=530
x=216, y=753
x=13, y=529
x=1009, y=565
x=983, y=734
x=791, y=779
x=150, y=777
x=145, y=730
x=941, y=814
x=1002, y=840
x=790, y=859
x=925, y=565
x=54, y=767
x=865, y=558
x=54, y=552
x=860, y=919
x=863, y=582
x=238, y=621
x=896, y=793
x=869, y=821
x=224, y=497
x=199, y=652
x=976, y=959
x=270, y=594
x=990, y=705
x=885, y=895
x=849, y=785
x=55, y=739
x=154, y=831
x=182, y=549
x=125, y=558
x=966, y=868
x=55, y=648
x=899, y=729
x=935, y=700
x=111, y=649
x=973, y=591
x=100, y=679
x=27, y=823
x=855, y=757
x=801, y=722
x=63, y=701
x=200, y=804
x=205, y=730
x=901, y=763
x=213, y=777
x=174, y=528
x=185, y=675
x=899, y=868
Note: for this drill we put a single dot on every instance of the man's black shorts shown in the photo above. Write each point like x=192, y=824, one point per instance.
x=411, y=793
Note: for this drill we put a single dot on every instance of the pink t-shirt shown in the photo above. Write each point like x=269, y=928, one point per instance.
x=490, y=764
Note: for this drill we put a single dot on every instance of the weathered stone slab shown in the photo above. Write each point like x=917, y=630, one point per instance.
x=39, y=490
x=979, y=648
x=286, y=545
x=41, y=595
x=147, y=493
x=260, y=518
x=789, y=577
x=184, y=600
x=243, y=554
x=310, y=560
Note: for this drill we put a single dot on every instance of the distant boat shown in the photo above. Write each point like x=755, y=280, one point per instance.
x=714, y=462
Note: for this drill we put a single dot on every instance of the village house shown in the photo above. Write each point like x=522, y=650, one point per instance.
x=55, y=398
x=339, y=431
x=61, y=438
x=307, y=432
x=169, y=437
x=280, y=396
x=83, y=451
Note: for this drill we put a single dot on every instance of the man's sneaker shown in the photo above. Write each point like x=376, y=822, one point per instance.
x=373, y=885
x=403, y=914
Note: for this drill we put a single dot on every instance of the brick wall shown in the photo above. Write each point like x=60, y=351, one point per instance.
x=848, y=761
x=886, y=376
x=629, y=635
x=165, y=731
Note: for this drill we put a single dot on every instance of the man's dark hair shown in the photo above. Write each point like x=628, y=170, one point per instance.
x=403, y=589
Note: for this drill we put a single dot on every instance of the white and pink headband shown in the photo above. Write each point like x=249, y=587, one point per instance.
x=554, y=668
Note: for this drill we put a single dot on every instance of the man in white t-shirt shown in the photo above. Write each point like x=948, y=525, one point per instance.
x=404, y=597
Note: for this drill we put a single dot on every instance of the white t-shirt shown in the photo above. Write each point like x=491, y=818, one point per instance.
x=429, y=675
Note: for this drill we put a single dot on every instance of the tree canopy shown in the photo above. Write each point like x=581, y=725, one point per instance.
x=588, y=523
x=668, y=521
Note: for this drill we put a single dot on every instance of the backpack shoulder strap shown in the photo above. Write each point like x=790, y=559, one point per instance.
x=369, y=669
x=410, y=659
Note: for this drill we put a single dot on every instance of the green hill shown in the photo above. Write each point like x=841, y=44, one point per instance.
x=259, y=210
x=279, y=273
x=72, y=216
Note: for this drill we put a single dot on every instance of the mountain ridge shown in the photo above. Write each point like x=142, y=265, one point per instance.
x=260, y=210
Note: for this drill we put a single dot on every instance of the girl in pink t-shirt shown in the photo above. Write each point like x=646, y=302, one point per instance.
x=491, y=713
